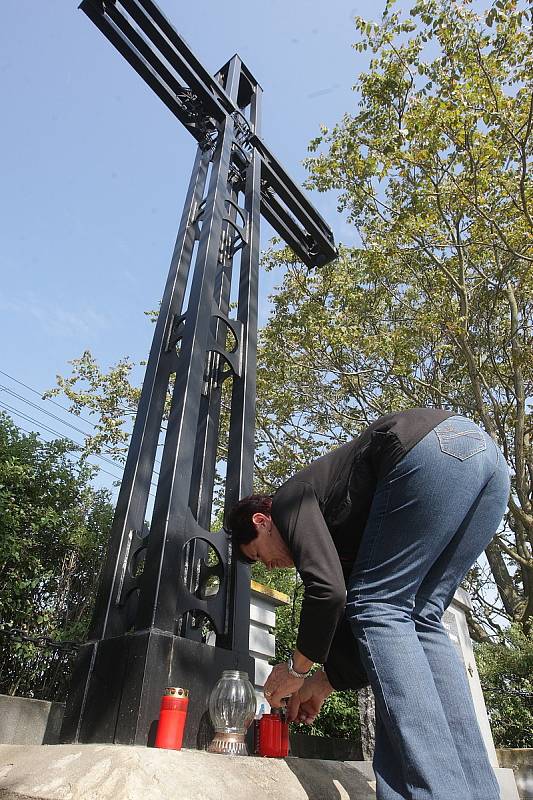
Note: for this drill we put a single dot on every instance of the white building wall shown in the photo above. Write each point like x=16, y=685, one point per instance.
x=263, y=604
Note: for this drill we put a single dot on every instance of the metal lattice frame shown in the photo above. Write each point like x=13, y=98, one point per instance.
x=146, y=630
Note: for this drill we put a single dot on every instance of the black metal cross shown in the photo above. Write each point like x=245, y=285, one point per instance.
x=157, y=590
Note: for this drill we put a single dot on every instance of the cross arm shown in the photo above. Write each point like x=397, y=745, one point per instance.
x=143, y=35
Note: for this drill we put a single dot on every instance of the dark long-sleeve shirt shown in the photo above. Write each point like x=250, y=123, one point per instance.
x=321, y=513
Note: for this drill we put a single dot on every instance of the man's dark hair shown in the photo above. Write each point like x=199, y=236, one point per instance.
x=239, y=519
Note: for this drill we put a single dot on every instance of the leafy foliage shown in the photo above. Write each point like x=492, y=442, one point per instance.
x=109, y=395
x=53, y=532
x=506, y=671
x=434, y=307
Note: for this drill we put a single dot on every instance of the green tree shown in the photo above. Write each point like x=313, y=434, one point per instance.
x=53, y=532
x=434, y=307
x=506, y=672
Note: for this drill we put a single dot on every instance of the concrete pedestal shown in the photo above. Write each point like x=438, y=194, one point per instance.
x=24, y=720
x=117, y=772
x=520, y=760
x=262, y=641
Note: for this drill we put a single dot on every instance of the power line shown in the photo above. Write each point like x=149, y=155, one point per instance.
x=18, y=412
x=48, y=399
x=52, y=430
x=54, y=416
x=43, y=411
x=47, y=441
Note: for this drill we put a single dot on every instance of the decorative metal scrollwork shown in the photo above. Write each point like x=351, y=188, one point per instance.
x=231, y=244
x=243, y=130
x=199, y=121
x=176, y=330
x=199, y=600
x=232, y=357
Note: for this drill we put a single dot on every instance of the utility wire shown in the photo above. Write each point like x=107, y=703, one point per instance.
x=39, y=408
x=54, y=416
x=49, y=400
x=77, y=445
x=52, y=430
x=47, y=441
x=19, y=413
x=76, y=450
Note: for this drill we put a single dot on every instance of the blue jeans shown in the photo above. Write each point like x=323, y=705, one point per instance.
x=432, y=516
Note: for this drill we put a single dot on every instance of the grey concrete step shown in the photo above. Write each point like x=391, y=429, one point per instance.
x=117, y=772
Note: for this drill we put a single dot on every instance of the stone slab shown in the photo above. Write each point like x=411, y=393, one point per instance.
x=508, y=787
x=520, y=760
x=117, y=772
x=262, y=671
x=508, y=790
x=262, y=612
x=24, y=720
x=455, y=622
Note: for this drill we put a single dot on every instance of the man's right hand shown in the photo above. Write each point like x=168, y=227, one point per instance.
x=305, y=704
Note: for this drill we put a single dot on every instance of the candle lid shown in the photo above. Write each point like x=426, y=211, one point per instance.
x=176, y=691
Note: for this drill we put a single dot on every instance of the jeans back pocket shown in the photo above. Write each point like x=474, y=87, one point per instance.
x=460, y=438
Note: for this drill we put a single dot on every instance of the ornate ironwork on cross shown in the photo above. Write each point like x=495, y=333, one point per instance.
x=156, y=590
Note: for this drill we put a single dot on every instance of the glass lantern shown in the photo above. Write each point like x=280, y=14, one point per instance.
x=232, y=709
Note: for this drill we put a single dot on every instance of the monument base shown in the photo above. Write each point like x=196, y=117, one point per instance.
x=118, y=772
x=117, y=684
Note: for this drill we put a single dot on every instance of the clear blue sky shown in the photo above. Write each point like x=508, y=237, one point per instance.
x=94, y=168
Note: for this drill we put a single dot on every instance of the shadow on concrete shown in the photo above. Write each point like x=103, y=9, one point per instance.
x=330, y=780
x=206, y=732
x=53, y=723
x=306, y=746
x=152, y=733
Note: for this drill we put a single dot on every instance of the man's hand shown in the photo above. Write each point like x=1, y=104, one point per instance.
x=307, y=702
x=280, y=684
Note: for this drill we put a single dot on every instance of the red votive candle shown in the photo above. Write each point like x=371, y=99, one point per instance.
x=270, y=736
x=284, y=745
x=172, y=716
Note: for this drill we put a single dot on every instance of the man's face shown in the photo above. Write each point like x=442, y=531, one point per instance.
x=268, y=546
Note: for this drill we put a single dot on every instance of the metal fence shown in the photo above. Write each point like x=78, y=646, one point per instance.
x=37, y=666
